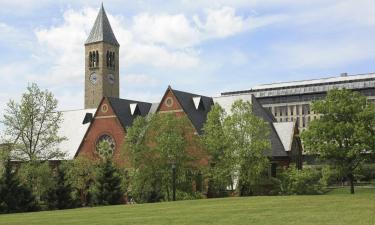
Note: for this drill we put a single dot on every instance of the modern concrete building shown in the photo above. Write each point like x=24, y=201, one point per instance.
x=290, y=101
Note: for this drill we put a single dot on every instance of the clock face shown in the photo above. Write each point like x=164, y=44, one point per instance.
x=111, y=78
x=93, y=78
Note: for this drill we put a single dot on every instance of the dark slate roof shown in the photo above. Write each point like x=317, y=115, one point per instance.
x=197, y=116
x=102, y=31
x=277, y=146
x=121, y=108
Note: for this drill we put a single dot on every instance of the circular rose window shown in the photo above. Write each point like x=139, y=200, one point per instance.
x=105, y=146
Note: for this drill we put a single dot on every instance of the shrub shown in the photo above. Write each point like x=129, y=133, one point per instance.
x=181, y=195
x=267, y=186
x=300, y=182
x=366, y=172
x=38, y=177
x=330, y=176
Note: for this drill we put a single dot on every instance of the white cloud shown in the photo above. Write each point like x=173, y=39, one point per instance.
x=167, y=41
x=222, y=22
x=175, y=31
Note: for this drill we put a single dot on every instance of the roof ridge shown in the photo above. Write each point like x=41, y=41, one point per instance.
x=315, y=79
x=130, y=100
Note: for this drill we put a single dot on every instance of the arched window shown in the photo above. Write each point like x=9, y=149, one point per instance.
x=110, y=59
x=90, y=60
x=97, y=58
x=113, y=60
x=107, y=58
x=93, y=59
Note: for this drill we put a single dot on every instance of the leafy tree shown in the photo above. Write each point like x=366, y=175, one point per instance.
x=14, y=197
x=154, y=144
x=32, y=125
x=108, y=184
x=5, y=150
x=81, y=175
x=249, y=143
x=345, y=132
x=215, y=141
x=38, y=177
x=60, y=195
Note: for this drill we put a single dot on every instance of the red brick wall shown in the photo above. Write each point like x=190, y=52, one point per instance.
x=105, y=122
x=193, y=146
x=175, y=106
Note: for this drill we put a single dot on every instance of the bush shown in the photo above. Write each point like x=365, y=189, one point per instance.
x=181, y=195
x=366, y=172
x=330, y=176
x=300, y=182
x=38, y=177
x=267, y=186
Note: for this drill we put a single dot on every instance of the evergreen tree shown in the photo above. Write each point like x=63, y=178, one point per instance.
x=14, y=197
x=108, y=184
x=60, y=197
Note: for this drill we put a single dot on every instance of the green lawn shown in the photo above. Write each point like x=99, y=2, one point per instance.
x=337, y=207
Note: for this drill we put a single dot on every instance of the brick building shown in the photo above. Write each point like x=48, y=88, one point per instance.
x=106, y=117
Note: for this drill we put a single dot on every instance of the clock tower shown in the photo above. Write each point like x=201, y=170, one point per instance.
x=101, y=62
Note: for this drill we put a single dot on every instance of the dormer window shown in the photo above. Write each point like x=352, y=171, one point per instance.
x=198, y=102
x=134, y=109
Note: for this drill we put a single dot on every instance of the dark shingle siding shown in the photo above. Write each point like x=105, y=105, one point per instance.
x=277, y=147
x=197, y=116
x=121, y=108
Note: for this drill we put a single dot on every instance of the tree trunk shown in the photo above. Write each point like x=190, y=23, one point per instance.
x=351, y=180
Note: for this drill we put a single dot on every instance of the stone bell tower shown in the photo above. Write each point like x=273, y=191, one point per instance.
x=101, y=62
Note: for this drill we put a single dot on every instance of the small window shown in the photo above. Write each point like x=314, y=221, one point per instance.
x=90, y=59
x=113, y=60
x=107, y=59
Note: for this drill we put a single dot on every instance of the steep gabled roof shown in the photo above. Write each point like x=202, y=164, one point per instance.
x=196, y=116
x=102, y=30
x=121, y=108
x=277, y=146
x=73, y=130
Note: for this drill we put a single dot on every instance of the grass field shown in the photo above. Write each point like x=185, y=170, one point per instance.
x=336, y=207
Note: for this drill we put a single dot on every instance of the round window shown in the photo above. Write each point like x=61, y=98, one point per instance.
x=105, y=146
x=169, y=102
x=104, y=108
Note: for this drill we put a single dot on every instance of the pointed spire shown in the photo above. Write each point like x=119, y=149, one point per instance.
x=102, y=31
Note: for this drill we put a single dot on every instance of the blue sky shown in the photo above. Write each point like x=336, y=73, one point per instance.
x=195, y=46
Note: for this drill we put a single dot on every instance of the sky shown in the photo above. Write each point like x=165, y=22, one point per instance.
x=205, y=47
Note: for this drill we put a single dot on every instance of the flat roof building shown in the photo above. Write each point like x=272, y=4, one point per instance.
x=290, y=101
